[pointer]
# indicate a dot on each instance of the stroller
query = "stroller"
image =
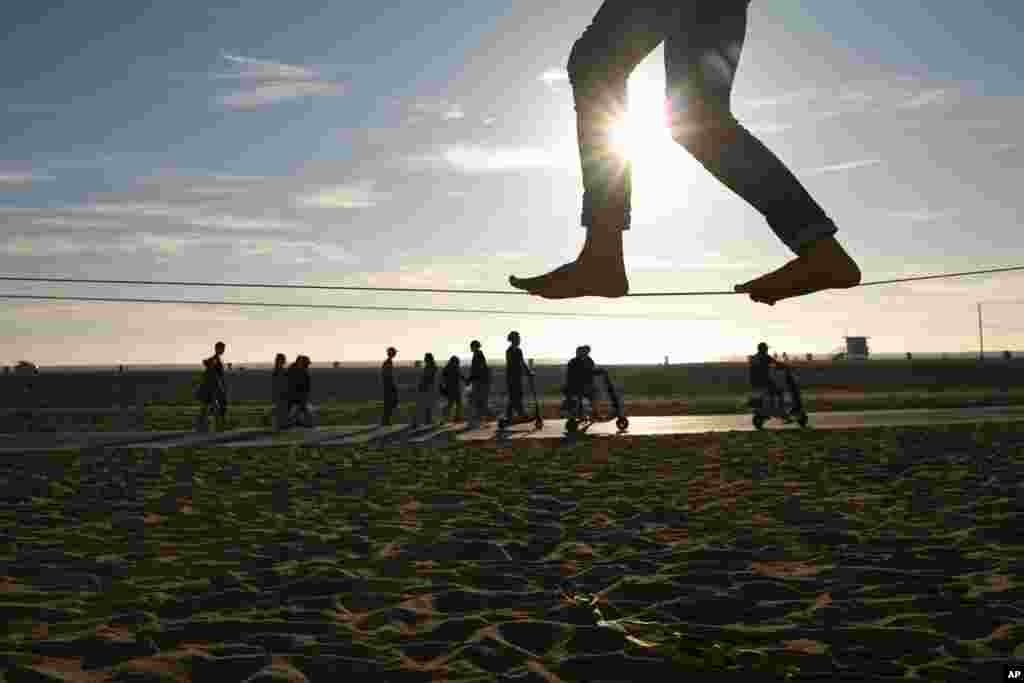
(580, 421)
(789, 411)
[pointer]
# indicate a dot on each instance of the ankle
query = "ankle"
(603, 243)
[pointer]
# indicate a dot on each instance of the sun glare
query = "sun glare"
(643, 134)
(663, 171)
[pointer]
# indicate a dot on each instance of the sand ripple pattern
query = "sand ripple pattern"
(868, 554)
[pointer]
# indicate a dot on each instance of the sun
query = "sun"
(663, 172)
(643, 134)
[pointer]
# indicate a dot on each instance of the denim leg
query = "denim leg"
(702, 51)
(620, 36)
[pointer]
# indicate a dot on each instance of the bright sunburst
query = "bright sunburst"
(663, 171)
(643, 134)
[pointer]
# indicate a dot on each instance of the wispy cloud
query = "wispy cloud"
(10, 181)
(298, 251)
(481, 159)
(924, 99)
(431, 109)
(360, 195)
(923, 215)
(845, 166)
(127, 215)
(260, 82)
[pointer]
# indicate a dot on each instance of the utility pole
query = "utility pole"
(981, 337)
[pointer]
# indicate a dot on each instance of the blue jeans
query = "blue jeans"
(703, 40)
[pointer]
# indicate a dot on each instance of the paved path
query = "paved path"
(346, 435)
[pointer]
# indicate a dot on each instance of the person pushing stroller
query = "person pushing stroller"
(761, 377)
(579, 382)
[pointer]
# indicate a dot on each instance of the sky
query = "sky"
(411, 144)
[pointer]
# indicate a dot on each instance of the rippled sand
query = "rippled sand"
(871, 552)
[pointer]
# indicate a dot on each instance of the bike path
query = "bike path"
(347, 435)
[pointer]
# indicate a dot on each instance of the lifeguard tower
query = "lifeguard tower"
(856, 348)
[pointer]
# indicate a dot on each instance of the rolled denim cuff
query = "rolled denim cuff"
(810, 234)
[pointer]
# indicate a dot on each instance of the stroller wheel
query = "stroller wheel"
(802, 420)
(758, 422)
(622, 423)
(571, 425)
(502, 423)
(538, 423)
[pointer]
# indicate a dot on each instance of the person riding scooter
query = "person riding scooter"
(761, 377)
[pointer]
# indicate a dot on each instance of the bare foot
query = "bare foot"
(824, 265)
(598, 271)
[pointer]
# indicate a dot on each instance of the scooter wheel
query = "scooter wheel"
(571, 425)
(538, 423)
(622, 423)
(758, 422)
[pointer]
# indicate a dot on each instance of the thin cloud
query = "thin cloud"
(777, 100)
(21, 180)
(127, 215)
(479, 159)
(432, 109)
(846, 166)
(923, 215)
(924, 99)
(261, 82)
(361, 195)
(298, 251)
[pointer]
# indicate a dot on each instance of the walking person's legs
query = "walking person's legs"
(473, 415)
(702, 52)
(203, 418)
(703, 43)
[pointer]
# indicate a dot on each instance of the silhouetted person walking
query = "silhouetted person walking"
(279, 392)
(388, 386)
(703, 40)
(213, 392)
(426, 393)
(479, 381)
(515, 369)
(451, 389)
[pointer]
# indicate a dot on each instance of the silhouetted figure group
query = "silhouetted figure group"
(291, 390)
(453, 384)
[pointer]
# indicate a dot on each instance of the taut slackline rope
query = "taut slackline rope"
(448, 291)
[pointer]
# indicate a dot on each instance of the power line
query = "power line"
(244, 285)
(327, 306)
